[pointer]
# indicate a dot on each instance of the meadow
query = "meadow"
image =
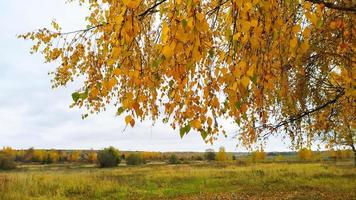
(197, 180)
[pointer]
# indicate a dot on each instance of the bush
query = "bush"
(7, 162)
(305, 154)
(210, 155)
(221, 156)
(134, 159)
(199, 158)
(173, 160)
(108, 157)
(259, 155)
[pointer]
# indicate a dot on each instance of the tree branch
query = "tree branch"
(300, 115)
(334, 6)
(151, 8)
(308, 112)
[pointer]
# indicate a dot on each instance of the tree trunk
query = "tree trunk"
(354, 150)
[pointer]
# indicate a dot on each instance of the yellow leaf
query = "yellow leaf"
(332, 25)
(200, 16)
(115, 53)
(210, 121)
(167, 51)
(112, 82)
(196, 124)
(250, 72)
(236, 36)
(132, 3)
(190, 22)
(293, 43)
(304, 47)
(165, 31)
(243, 65)
(296, 29)
(128, 119)
(245, 81)
(117, 72)
(246, 26)
(254, 23)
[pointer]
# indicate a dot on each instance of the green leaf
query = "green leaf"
(120, 111)
(254, 79)
(238, 121)
(183, 131)
(203, 134)
(244, 116)
(75, 96)
(320, 23)
(165, 120)
(85, 116)
(84, 95)
(184, 22)
(238, 105)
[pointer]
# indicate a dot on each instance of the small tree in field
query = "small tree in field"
(74, 156)
(259, 155)
(108, 157)
(134, 159)
(92, 157)
(221, 155)
(305, 154)
(210, 154)
(53, 156)
(7, 159)
(173, 159)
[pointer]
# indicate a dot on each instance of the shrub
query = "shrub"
(7, 162)
(75, 156)
(210, 154)
(108, 157)
(134, 159)
(173, 159)
(221, 156)
(259, 155)
(199, 158)
(92, 157)
(305, 154)
(279, 158)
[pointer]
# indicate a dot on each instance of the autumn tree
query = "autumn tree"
(92, 156)
(210, 154)
(305, 154)
(53, 156)
(29, 155)
(258, 155)
(74, 156)
(274, 67)
(221, 155)
(7, 158)
(108, 157)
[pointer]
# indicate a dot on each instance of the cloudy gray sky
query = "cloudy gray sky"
(34, 115)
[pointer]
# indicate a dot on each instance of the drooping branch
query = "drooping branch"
(142, 15)
(299, 115)
(151, 9)
(334, 6)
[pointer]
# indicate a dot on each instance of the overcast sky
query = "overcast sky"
(34, 115)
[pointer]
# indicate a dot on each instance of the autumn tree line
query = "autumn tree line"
(111, 157)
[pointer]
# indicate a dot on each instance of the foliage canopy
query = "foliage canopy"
(271, 66)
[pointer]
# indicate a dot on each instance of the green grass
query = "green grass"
(195, 181)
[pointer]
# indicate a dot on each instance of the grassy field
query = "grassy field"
(188, 181)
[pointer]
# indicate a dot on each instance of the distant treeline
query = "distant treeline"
(42, 156)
